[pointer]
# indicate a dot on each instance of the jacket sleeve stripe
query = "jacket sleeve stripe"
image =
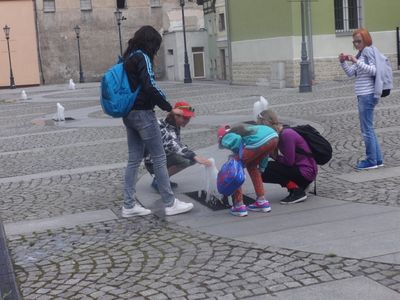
(151, 74)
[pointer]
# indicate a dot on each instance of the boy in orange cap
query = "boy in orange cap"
(179, 156)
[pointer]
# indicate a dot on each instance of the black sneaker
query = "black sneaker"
(295, 196)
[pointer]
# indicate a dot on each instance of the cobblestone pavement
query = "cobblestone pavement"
(49, 170)
(146, 258)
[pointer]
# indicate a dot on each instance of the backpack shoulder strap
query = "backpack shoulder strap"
(299, 150)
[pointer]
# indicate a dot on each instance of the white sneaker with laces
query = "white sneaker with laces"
(178, 207)
(137, 210)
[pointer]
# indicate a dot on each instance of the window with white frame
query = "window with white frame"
(49, 6)
(155, 3)
(221, 22)
(86, 4)
(347, 15)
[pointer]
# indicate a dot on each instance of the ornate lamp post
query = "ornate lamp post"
(119, 17)
(7, 33)
(305, 79)
(77, 32)
(187, 78)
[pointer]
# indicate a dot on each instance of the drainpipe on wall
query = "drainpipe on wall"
(310, 38)
(228, 37)
(38, 44)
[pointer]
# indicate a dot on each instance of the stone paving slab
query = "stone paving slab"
(346, 289)
(389, 258)
(64, 221)
(62, 172)
(370, 175)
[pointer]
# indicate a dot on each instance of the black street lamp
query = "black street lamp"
(305, 78)
(78, 31)
(119, 17)
(7, 33)
(187, 78)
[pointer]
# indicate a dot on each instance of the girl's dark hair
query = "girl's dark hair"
(146, 39)
(241, 130)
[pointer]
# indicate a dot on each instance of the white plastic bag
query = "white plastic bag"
(210, 181)
(259, 106)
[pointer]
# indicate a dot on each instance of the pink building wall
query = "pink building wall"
(19, 15)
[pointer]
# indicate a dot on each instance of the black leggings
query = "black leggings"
(282, 174)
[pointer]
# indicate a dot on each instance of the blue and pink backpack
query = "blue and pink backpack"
(231, 176)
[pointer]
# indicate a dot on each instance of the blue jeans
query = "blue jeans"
(143, 131)
(366, 105)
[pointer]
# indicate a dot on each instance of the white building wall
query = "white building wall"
(196, 36)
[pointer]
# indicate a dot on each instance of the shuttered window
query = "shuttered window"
(86, 4)
(49, 6)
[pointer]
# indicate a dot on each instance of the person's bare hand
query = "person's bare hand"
(342, 57)
(202, 161)
(352, 58)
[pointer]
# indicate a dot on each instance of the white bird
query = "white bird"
(59, 116)
(23, 95)
(259, 106)
(71, 85)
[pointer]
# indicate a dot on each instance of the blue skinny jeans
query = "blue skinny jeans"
(143, 131)
(366, 105)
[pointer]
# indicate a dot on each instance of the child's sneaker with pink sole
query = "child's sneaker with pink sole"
(240, 211)
(260, 205)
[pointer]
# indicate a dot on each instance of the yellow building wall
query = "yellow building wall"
(19, 15)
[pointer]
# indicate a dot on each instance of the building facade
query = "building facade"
(266, 36)
(216, 24)
(43, 37)
(21, 53)
(196, 42)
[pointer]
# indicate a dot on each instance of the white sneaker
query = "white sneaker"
(137, 210)
(178, 207)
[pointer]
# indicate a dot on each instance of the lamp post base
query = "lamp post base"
(305, 79)
(12, 83)
(187, 79)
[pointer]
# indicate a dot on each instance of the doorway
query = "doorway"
(198, 62)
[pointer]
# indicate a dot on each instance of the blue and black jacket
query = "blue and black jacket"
(140, 71)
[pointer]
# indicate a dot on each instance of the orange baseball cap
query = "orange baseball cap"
(186, 108)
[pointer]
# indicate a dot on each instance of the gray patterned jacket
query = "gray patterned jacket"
(171, 138)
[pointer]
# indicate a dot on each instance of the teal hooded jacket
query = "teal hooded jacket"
(260, 135)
